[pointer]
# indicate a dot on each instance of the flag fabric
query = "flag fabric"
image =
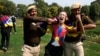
(6, 21)
(58, 35)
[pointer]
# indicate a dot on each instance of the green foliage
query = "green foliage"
(1, 8)
(95, 10)
(39, 12)
(21, 10)
(60, 9)
(91, 48)
(54, 4)
(42, 7)
(53, 10)
(68, 10)
(45, 10)
(93, 34)
(85, 9)
(8, 6)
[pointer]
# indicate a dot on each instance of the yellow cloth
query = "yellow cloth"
(56, 38)
(71, 34)
(49, 27)
(67, 28)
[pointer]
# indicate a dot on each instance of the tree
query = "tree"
(21, 10)
(39, 11)
(85, 9)
(53, 10)
(94, 10)
(8, 6)
(68, 10)
(54, 4)
(60, 9)
(1, 9)
(98, 1)
(42, 7)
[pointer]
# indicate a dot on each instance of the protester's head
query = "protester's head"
(62, 17)
(76, 8)
(32, 10)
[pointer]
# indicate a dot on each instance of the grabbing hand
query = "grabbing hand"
(50, 20)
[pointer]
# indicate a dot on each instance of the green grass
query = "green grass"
(16, 42)
(91, 48)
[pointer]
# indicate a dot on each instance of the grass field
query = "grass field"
(16, 42)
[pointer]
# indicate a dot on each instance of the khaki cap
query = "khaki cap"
(31, 7)
(75, 6)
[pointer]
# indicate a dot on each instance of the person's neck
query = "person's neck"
(60, 24)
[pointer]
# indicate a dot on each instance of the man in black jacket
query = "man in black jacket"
(34, 28)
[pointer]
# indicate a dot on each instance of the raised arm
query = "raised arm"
(39, 19)
(89, 24)
(80, 26)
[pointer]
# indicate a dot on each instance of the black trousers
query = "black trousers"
(5, 33)
(14, 27)
(51, 50)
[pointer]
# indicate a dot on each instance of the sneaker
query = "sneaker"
(5, 49)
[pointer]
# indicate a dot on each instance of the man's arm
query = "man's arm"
(39, 19)
(80, 26)
(89, 23)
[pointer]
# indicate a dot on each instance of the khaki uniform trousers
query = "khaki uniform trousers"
(30, 51)
(76, 47)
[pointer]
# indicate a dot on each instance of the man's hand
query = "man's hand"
(50, 20)
(80, 24)
(78, 17)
